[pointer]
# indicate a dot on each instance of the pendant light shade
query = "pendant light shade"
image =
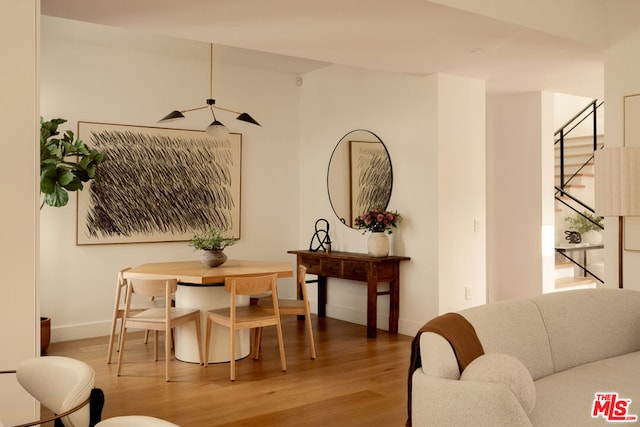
(172, 117)
(247, 118)
(215, 128)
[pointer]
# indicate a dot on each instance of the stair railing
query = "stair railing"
(568, 127)
(560, 193)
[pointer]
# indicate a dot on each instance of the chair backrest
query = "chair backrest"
(154, 287)
(59, 383)
(252, 285)
(121, 290)
(302, 282)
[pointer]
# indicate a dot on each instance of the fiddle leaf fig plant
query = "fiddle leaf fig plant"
(65, 163)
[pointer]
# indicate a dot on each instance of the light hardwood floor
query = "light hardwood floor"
(354, 381)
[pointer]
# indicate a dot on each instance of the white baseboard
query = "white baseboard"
(79, 331)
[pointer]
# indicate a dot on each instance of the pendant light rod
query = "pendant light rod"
(210, 102)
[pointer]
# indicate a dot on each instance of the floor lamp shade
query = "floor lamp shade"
(617, 181)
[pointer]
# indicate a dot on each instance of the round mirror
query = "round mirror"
(359, 178)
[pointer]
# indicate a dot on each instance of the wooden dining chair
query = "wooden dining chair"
(137, 306)
(246, 317)
(157, 319)
(296, 307)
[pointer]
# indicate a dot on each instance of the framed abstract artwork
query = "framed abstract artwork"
(370, 176)
(158, 184)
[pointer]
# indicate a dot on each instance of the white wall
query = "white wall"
(462, 255)
(622, 68)
(128, 78)
(413, 117)
(19, 325)
(520, 194)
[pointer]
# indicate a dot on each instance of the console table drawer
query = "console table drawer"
(354, 270)
(332, 267)
(312, 264)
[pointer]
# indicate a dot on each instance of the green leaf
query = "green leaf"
(58, 198)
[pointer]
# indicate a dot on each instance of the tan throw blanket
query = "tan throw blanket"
(463, 339)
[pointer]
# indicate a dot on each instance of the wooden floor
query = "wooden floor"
(354, 381)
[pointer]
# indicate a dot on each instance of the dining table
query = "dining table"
(202, 287)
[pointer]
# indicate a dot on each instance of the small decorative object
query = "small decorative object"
(378, 223)
(320, 238)
(588, 225)
(573, 236)
(212, 242)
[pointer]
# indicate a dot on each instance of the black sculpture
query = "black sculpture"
(321, 237)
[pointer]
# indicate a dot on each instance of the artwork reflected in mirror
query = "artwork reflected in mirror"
(360, 176)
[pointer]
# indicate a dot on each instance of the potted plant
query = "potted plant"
(588, 225)
(378, 223)
(65, 163)
(212, 243)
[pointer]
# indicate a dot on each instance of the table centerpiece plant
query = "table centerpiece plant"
(211, 242)
(379, 223)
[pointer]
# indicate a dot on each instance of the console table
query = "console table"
(359, 267)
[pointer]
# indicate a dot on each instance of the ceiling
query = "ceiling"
(415, 37)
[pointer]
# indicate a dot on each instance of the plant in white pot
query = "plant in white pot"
(588, 225)
(212, 243)
(65, 163)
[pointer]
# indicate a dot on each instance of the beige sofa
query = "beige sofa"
(545, 359)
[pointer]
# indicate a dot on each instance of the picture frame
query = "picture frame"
(369, 173)
(158, 184)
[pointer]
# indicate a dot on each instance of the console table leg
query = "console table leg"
(372, 307)
(322, 296)
(394, 305)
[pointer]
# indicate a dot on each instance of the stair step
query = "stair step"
(563, 264)
(566, 283)
(579, 175)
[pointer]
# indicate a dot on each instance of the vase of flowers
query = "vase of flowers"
(212, 243)
(379, 223)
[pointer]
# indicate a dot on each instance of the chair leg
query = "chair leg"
(255, 343)
(155, 346)
(123, 336)
(207, 342)
(307, 318)
(112, 339)
(146, 336)
(283, 360)
(232, 346)
(198, 337)
(167, 351)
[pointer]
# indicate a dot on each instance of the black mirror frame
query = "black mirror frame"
(340, 218)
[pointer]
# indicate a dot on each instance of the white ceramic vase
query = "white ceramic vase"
(592, 237)
(378, 244)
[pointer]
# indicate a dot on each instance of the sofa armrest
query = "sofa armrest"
(444, 402)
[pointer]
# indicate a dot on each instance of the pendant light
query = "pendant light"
(216, 128)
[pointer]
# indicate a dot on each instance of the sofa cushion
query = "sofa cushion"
(503, 369)
(515, 328)
(566, 398)
(588, 325)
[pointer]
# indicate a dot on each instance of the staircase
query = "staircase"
(578, 265)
